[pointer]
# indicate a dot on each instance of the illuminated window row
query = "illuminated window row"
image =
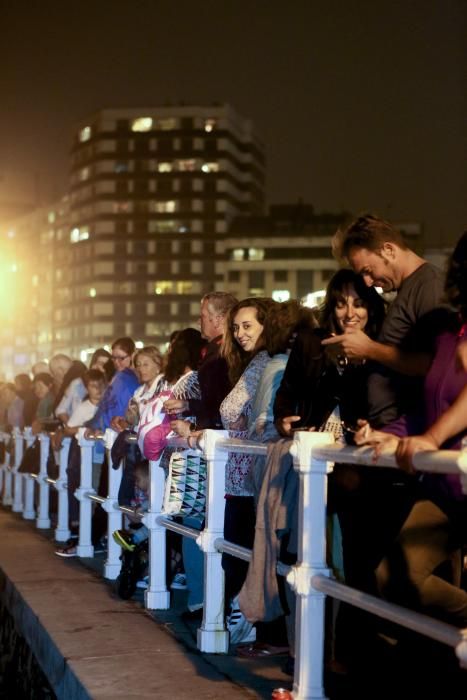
(239, 254)
(144, 124)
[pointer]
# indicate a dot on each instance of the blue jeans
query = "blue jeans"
(193, 561)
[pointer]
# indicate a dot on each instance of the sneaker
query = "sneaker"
(144, 583)
(69, 550)
(195, 615)
(241, 631)
(124, 539)
(179, 582)
(101, 546)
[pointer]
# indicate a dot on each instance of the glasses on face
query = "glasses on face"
(119, 358)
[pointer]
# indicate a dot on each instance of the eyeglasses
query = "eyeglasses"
(119, 358)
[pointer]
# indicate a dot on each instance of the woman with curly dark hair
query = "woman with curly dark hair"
(435, 529)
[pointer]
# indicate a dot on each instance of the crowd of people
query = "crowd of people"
(392, 375)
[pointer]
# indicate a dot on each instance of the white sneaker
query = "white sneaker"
(179, 582)
(144, 583)
(241, 631)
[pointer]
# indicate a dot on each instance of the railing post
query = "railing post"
(114, 517)
(7, 499)
(156, 596)
(2, 466)
(85, 547)
(43, 520)
(29, 512)
(310, 610)
(18, 477)
(212, 636)
(62, 531)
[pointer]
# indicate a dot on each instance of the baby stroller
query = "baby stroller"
(134, 565)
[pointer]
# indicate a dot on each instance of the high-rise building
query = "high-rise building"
(152, 194)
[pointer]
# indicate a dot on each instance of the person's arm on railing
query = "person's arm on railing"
(452, 422)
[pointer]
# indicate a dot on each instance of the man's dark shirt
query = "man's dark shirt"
(411, 324)
(214, 383)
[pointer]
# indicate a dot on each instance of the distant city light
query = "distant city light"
(142, 124)
(139, 344)
(314, 298)
(85, 134)
(281, 295)
(92, 292)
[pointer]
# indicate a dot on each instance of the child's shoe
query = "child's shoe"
(124, 539)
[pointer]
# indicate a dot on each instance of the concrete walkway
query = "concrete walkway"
(91, 644)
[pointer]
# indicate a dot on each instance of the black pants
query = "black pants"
(239, 528)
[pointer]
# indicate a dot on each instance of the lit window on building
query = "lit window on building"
(92, 292)
(35, 280)
(121, 167)
(51, 217)
(184, 287)
(122, 207)
(167, 124)
(168, 226)
(186, 164)
(84, 173)
(85, 134)
(281, 294)
(255, 253)
(167, 207)
(237, 254)
(79, 234)
(212, 167)
(164, 167)
(141, 124)
(210, 124)
(164, 287)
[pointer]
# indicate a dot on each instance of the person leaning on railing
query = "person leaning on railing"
(436, 528)
(321, 389)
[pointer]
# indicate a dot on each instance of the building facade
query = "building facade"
(152, 192)
(285, 255)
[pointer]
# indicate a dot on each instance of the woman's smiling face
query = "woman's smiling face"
(350, 311)
(246, 328)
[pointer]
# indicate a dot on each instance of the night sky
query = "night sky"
(361, 104)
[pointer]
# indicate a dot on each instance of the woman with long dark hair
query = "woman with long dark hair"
(246, 358)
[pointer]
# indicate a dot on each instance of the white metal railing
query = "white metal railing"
(314, 455)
